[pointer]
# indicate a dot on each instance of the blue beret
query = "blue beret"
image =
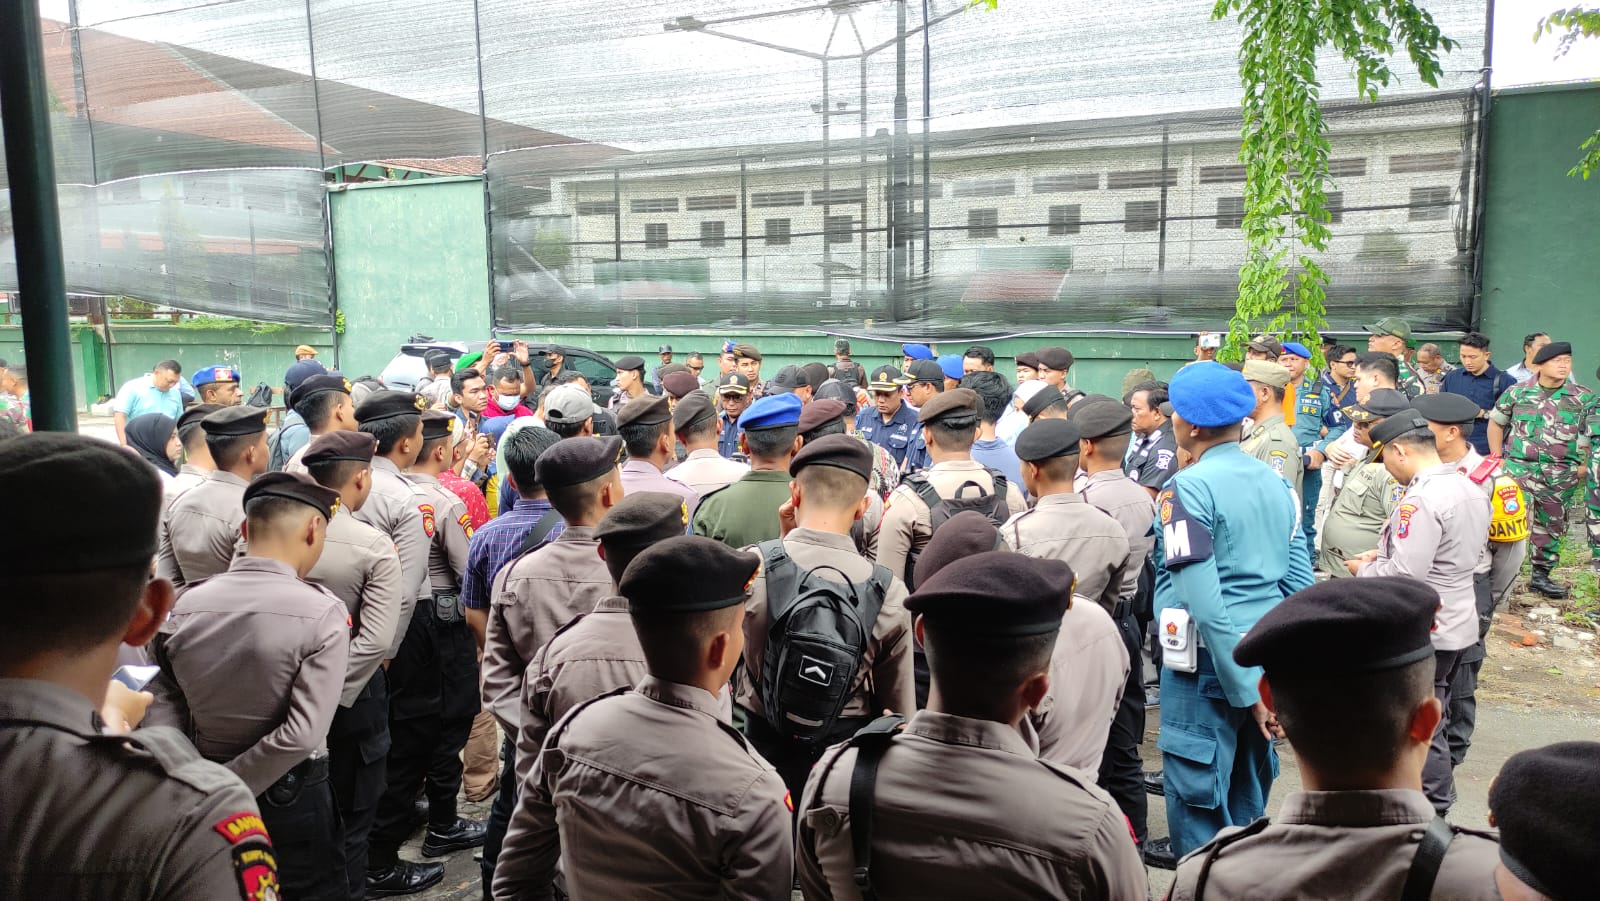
(951, 365)
(210, 375)
(774, 411)
(1211, 395)
(916, 351)
(1296, 348)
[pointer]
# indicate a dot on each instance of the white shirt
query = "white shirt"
(705, 470)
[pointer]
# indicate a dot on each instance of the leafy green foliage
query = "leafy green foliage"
(1571, 24)
(1284, 146)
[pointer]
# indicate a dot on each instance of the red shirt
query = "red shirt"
(477, 507)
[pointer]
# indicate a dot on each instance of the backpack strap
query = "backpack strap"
(1215, 846)
(783, 578)
(870, 744)
(918, 482)
(1001, 509)
(1429, 858)
(548, 520)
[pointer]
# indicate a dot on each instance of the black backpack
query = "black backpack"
(817, 633)
(991, 504)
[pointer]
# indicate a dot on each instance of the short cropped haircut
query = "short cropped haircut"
(522, 456)
(954, 433)
(97, 604)
(641, 439)
(172, 366)
(1418, 440)
(1351, 722)
(192, 435)
(697, 431)
(831, 488)
(982, 353)
(769, 444)
(336, 473)
(994, 393)
(428, 444)
(228, 450)
(836, 427)
(265, 514)
(460, 378)
(1475, 339)
(573, 501)
(1385, 365)
(565, 429)
(1060, 470)
(507, 372)
(973, 673)
(1155, 394)
(567, 377)
(390, 431)
(317, 409)
(672, 642)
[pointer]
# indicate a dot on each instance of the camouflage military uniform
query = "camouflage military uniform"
(1591, 497)
(1411, 384)
(1545, 429)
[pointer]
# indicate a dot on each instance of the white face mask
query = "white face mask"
(507, 402)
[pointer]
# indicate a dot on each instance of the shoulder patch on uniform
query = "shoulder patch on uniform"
(1184, 539)
(240, 826)
(1403, 514)
(788, 801)
(1164, 459)
(257, 869)
(1277, 459)
(465, 521)
(427, 518)
(1164, 505)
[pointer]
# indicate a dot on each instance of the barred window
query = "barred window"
(985, 187)
(838, 195)
(1141, 216)
(1142, 178)
(1060, 184)
(711, 202)
(1216, 175)
(713, 234)
(838, 229)
(655, 235)
(983, 223)
(778, 198)
(777, 231)
(1230, 212)
(1429, 204)
(654, 205)
(597, 208)
(1066, 219)
(1447, 161)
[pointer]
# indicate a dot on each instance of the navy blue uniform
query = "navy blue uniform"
(728, 440)
(896, 436)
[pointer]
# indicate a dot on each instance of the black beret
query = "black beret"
(573, 461)
(925, 371)
(630, 362)
(666, 369)
(833, 389)
(679, 384)
(1044, 397)
(787, 379)
(318, 384)
(962, 535)
(842, 451)
(437, 424)
(1392, 427)
(1551, 351)
(819, 413)
(1344, 626)
(1054, 358)
(193, 415)
(815, 374)
(295, 487)
(692, 408)
(745, 352)
(643, 518)
(1101, 417)
(646, 409)
(40, 471)
(996, 593)
(1029, 359)
(1047, 438)
(1544, 803)
(1450, 409)
(335, 446)
(957, 403)
(233, 421)
(386, 404)
(1380, 403)
(688, 574)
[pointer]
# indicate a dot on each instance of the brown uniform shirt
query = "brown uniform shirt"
(648, 795)
(963, 809)
(907, 523)
(886, 679)
(200, 530)
(1131, 505)
(188, 477)
(1088, 672)
(1351, 845)
(296, 462)
(92, 817)
(393, 508)
(532, 597)
(449, 536)
(252, 666)
(1068, 528)
(361, 567)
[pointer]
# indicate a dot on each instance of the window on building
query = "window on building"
(984, 223)
(839, 195)
(1448, 161)
(1335, 207)
(1429, 204)
(1353, 166)
(597, 208)
(1060, 184)
(985, 187)
(1141, 216)
(654, 205)
(838, 229)
(1230, 212)
(711, 202)
(1066, 219)
(1141, 178)
(1219, 175)
(712, 234)
(778, 198)
(655, 235)
(777, 232)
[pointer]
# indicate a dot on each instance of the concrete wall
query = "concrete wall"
(409, 258)
(1541, 269)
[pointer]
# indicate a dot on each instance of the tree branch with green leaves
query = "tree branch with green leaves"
(1571, 24)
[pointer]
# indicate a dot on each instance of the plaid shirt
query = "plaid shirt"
(494, 545)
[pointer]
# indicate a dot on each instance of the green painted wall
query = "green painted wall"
(11, 350)
(1541, 267)
(409, 258)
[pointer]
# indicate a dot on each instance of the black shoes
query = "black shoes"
(1543, 584)
(1158, 853)
(419, 816)
(1155, 782)
(458, 836)
(404, 878)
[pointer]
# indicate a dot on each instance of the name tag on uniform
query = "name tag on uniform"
(1179, 647)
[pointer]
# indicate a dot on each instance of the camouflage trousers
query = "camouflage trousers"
(1550, 490)
(1591, 500)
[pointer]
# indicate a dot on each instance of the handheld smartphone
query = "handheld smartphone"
(1212, 340)
(135, 677)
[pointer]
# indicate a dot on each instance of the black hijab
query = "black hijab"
(149, 434)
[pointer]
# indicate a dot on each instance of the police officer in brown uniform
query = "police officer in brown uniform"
(200, 529)
(949, 425)
(648, 794)
(196, 458)
(959, 778)
(433, 680)
(252, 665)
(1062, 525)
(360, 565)
(828, 494)
(1349, 671)
(89, 815)
(323, 401)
